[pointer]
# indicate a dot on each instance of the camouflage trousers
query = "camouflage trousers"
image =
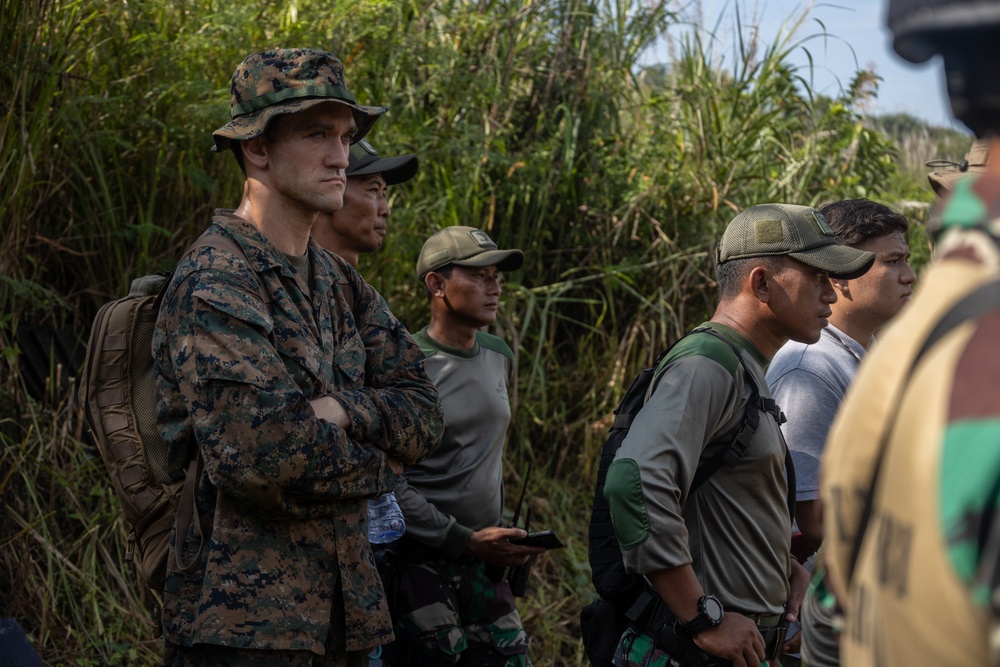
(206, 655)
(211, 655)
(449, 613)
(638, 649)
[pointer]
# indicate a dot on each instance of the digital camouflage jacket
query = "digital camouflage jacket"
(282, 498)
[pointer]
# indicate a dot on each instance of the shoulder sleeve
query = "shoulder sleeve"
(495, 343)
(690, 402)
(703, 345)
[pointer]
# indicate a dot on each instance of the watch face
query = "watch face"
(712, 608)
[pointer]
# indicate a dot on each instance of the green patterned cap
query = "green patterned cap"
(800, 232)
(282, 81)
(465, 246)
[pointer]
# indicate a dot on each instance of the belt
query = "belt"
(765, 620)
(772, 628)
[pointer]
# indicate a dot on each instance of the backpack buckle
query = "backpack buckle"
(771, 407)
(130, 546)
(739, 445)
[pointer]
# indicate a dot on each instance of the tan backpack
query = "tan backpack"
(119, 399)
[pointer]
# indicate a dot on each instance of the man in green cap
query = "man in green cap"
(295, 413)
(360, 226)
(452, 608)
(718, 558)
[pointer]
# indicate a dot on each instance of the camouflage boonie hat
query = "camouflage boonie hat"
(800, 232)
(282, 81)
(365, 160)
(465, 246)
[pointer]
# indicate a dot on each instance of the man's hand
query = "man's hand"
(793, 645)
(798, 580)
(736, 639)
(394, 464)
(329, 409)
(492, 545)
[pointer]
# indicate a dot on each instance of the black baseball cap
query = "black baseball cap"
(365, 160)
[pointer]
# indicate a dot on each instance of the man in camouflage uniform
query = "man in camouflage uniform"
(911, 474)
(285, 375)
(452, 609)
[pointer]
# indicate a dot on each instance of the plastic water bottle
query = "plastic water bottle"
(385, 519)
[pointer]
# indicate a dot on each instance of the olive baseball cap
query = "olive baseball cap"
(364, 160)
(465, 246)
(801, 232)
(282, 81)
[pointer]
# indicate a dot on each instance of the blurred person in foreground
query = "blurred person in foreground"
(910, 482)
(296, 413)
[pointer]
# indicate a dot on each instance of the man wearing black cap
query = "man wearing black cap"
(911, 474)
(718, 557)
(360, 226)
(449, 609)
(295, 414)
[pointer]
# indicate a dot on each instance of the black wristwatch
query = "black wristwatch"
(710, 614)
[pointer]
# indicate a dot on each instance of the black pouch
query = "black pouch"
(650, 617)
(389, 563)
(602, 626)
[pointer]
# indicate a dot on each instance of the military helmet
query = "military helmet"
(964, 33)
(919, 27)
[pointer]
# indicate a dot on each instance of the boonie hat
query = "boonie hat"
(948, 173)
(364, 160)
(800, 232)
(283, 81)
(465, 246)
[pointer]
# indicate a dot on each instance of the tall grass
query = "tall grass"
(64, 576)
(533, 119)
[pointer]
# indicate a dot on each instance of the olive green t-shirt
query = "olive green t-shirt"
(458, 489)
(735, 529)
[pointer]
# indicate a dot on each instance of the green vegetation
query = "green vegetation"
(532, 119)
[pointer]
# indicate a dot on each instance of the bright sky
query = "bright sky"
(857, 25)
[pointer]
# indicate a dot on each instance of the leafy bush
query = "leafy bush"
(533, 120)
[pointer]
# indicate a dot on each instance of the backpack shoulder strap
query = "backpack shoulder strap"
(751, 422)
(751, 418)
(982, 300)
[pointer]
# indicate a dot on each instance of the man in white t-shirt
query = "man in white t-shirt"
(809, 381)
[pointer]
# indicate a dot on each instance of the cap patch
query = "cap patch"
(769, 231)
(367, 146)
(821, 226)
(482, 239)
